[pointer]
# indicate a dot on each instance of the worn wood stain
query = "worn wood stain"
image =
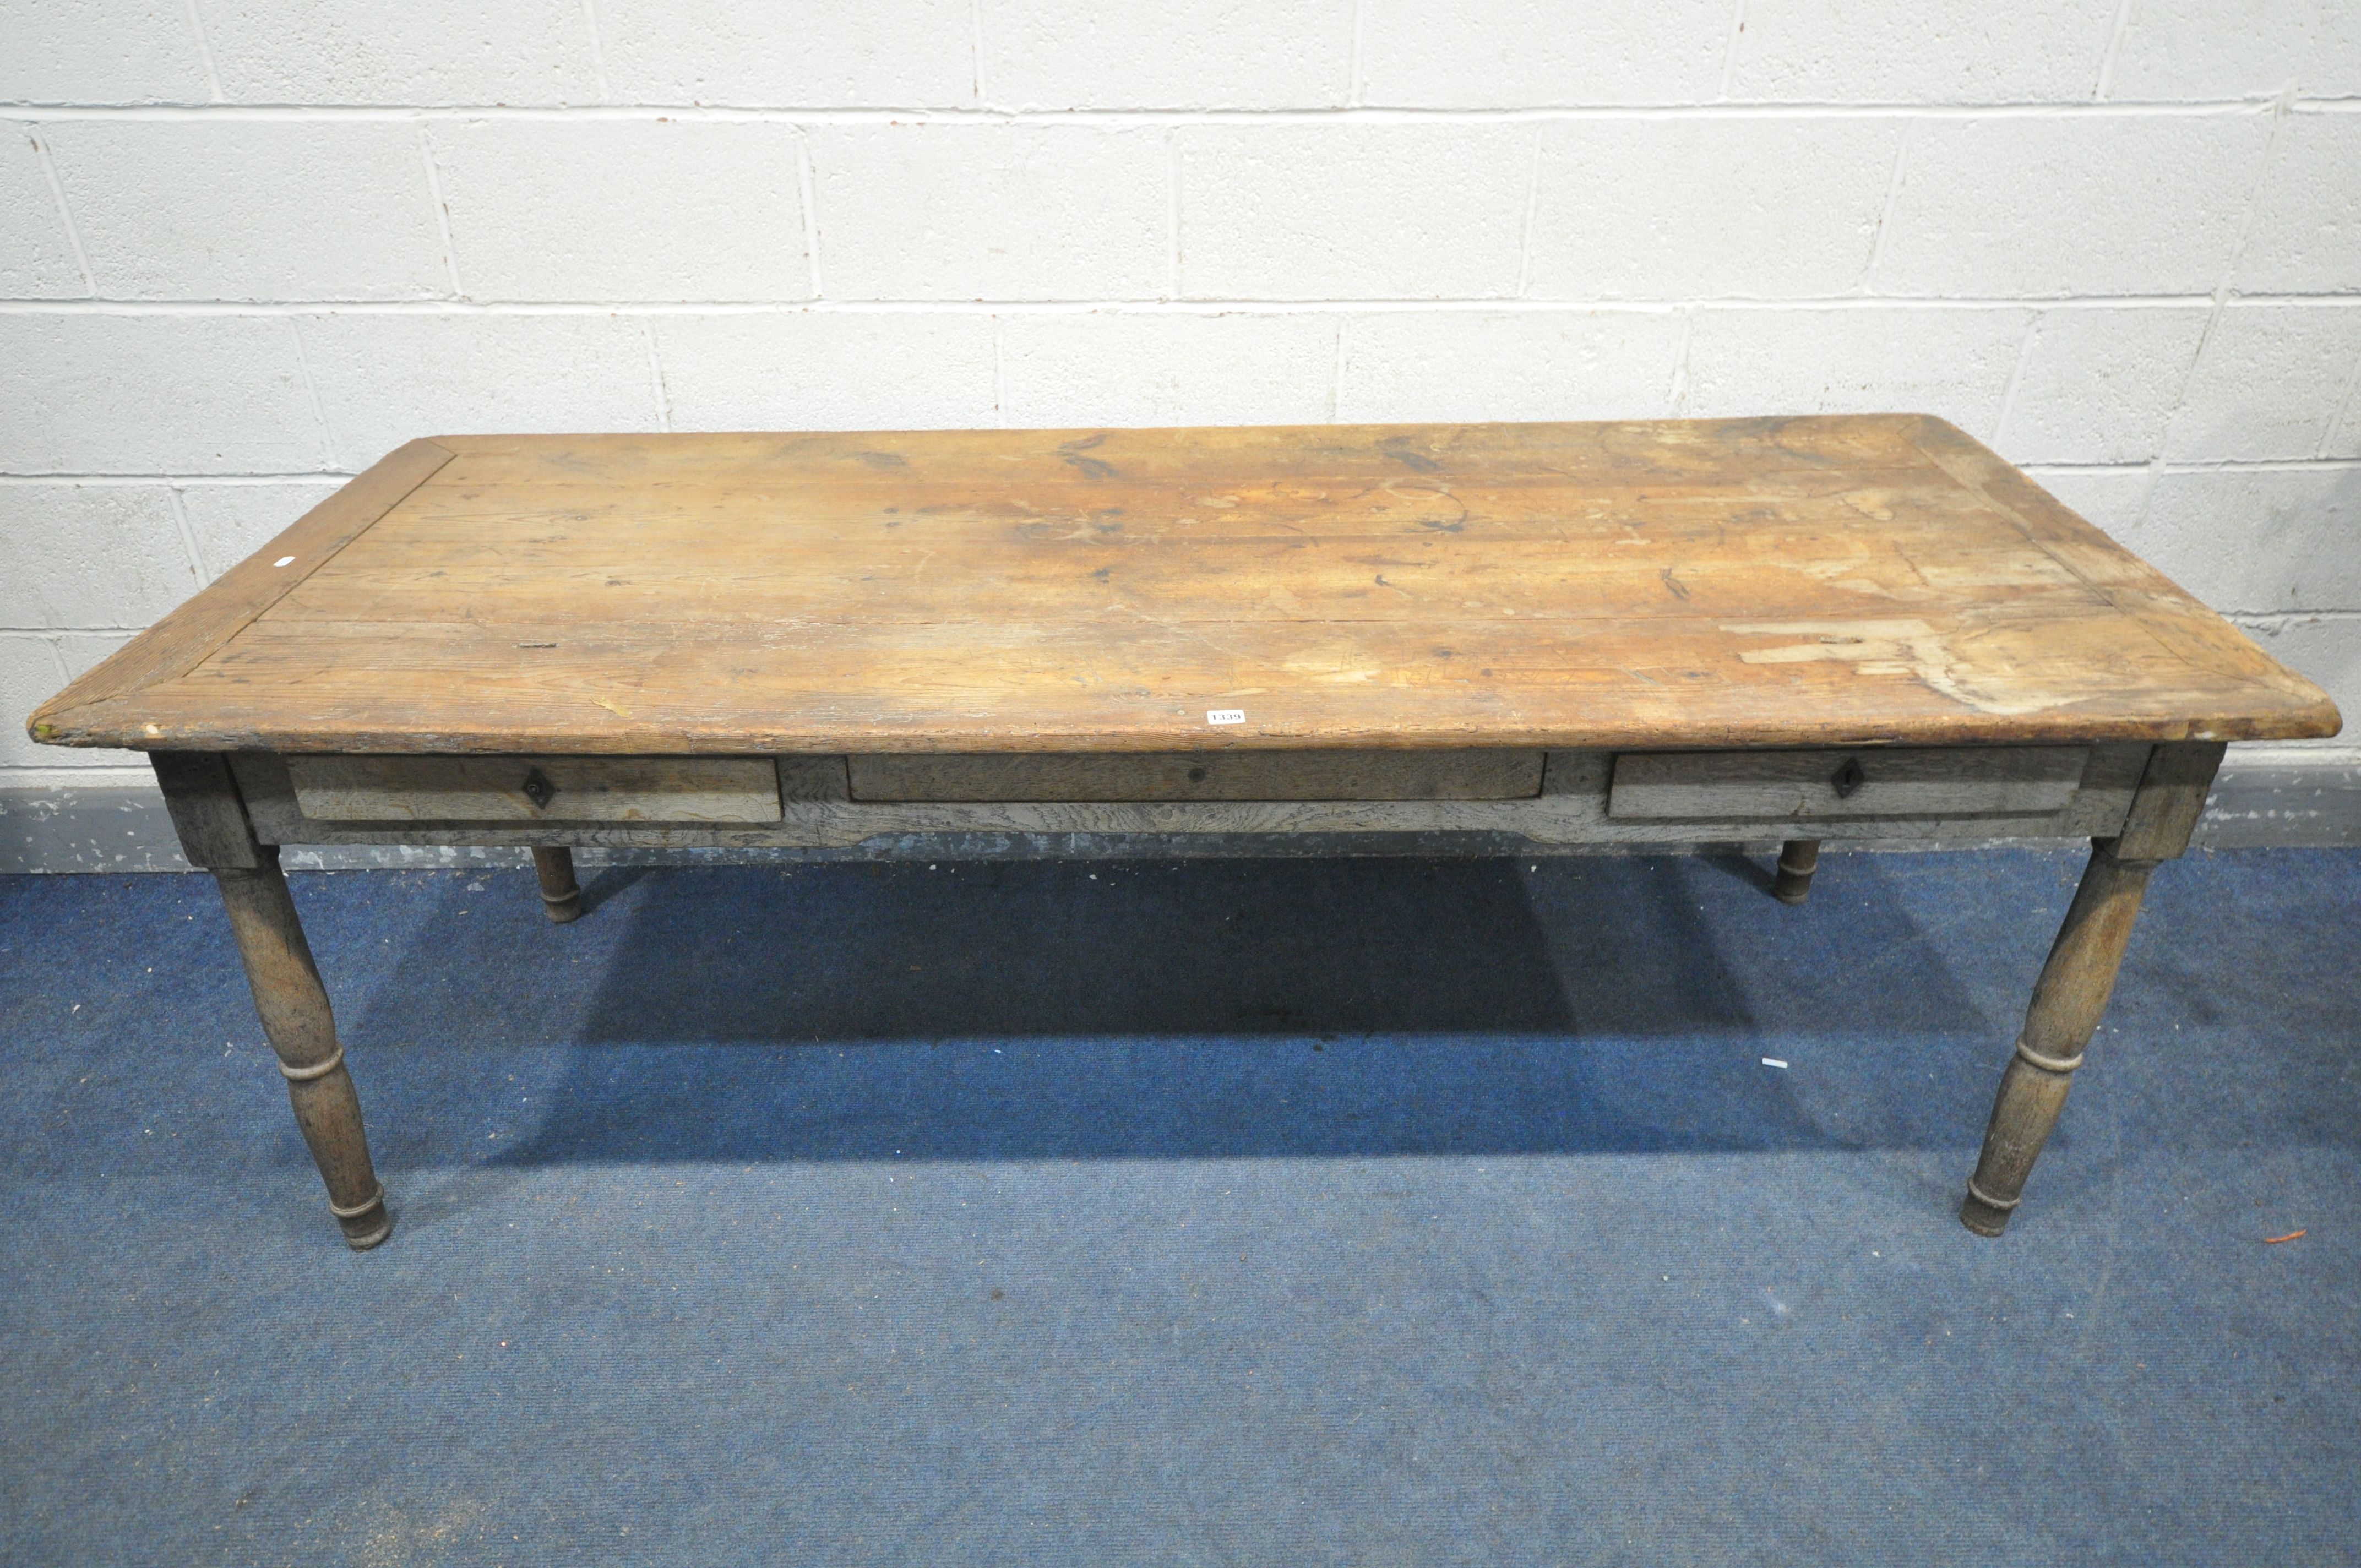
(1778, 582)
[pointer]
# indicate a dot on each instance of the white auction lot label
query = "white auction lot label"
(1225, 715)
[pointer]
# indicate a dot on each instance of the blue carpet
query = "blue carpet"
(1422, 1213)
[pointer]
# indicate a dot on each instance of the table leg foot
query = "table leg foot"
(561, 895)
(1798, 859)
(371, 1225)
(1981, 1215)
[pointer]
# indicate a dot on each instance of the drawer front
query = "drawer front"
(536, 789)
(1202, 775)
(1740, 787)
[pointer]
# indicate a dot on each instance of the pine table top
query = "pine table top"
(1775, 582)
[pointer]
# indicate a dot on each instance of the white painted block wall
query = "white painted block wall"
(245, 248)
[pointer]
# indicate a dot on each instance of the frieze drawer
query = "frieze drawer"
(1488, 774)
(1837, 785)
(536, 789)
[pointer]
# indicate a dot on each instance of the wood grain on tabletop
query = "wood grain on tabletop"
(1836, 579)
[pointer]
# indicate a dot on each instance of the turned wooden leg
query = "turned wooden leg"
(2080, 976)
(2067, 1001)
(216, 834)
(295, 1015)
(1798, 859)
(561, 895)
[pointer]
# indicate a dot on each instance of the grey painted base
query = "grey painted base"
(2260, 807)
(122, 829)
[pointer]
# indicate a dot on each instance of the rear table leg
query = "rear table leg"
(561, 895)
(1798, 859)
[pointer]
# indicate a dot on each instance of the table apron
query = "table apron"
(1573, 808)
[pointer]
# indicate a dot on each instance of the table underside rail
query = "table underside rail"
(1577, 805)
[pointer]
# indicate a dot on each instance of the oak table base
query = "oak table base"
(2068, 998)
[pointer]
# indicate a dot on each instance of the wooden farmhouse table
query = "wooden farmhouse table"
(1518, 636)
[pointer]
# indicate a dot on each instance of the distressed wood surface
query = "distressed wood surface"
(1202, 775)
(1956, 781)
(202, 798)
(1780, 582)
(536, 789)
(199, 629)
(2171, 797)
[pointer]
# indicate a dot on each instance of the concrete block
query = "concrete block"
(421, 51)
(231, 521)
(916, 54)
(1352, 211)
(1863, 359)
(2306, 234)
(2070, 204)
(1416, 366)
(1722, 208)
(1183, 54)
(90, 556)
(28, 677)
(2344, 435)
(2261, 540)
(385, 379)
(991, 212)
(2098, 385)
(2203, 48)
(2113, 498)
(828, 370)
(251, 210)
(2271, 382)
(1104, 368)
(1827, 51)
(37, 260)
(81, 652)
(109, 394)
(102, 52)
(1511, 54)
(624, 210)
